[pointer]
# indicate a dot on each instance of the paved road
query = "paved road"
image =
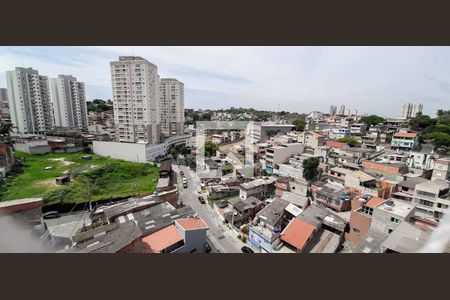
(221, 238)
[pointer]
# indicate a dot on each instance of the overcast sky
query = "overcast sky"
(373, 80)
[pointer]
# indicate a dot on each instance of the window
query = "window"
(395, 220)
(440, 205)
(426, 203)
(426, 194)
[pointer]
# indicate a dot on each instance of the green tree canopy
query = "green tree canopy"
(440, 139)
(351, 141)
(421, 122)
(299, 124)
(372, 120)
(310, 166)
(443, 117)
(210, 148)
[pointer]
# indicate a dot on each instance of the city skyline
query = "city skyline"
(296, 79)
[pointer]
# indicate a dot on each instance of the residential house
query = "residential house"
(335, 146)
(264, 231)
(432, 199)
(409, 238)
(315, 230)
(394, 171)
(242, 211)
(311, 139)
(374, 216)
(362, 182)
(280, 154)
(405, 141)
(260, 188)
(441, 170)
(339, 133)
(184, 236)
(331, 195)
(338, 174)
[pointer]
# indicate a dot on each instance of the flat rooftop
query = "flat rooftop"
(341, 170)
(257, 182)
(399, 208)
(407, 238)
(19, 202)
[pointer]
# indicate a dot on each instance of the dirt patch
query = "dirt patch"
(47, 183)
(62, 160)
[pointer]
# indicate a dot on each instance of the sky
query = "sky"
(373, 80)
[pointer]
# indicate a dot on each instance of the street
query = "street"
(220, 237)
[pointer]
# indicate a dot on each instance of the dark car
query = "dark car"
(207, 248)
(51, 215)
(202, 201)
(246, 249)
(181, 173)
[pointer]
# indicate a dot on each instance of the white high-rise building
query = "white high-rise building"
(333, 110)
(172, 107)
(411, 110)
(4, 104)
(69, 102)
(342, 110)
(135, 88)
(29, 101)
(417, 109)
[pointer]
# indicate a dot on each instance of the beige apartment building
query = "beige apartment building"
(136, 98)
(172, 107)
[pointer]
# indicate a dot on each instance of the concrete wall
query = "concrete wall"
(44, 149)
(194, 240)
(381, 219)
(126, 151)
(288, 170)
(359, 225)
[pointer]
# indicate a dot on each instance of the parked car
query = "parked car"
(246, 249)
(181, 173)
(201, 199)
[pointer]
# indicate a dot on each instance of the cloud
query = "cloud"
(375, 80)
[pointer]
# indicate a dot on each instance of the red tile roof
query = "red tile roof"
(163, 238)
(374, 202)
(335, 144)
(192, 223)
(382, 167)
(297, 233)
(405, 134)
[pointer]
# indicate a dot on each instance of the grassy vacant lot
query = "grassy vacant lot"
(105, 178)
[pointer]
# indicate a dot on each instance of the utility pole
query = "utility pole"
(88, 192)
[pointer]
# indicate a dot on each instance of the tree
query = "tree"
(439, 139)
(372, 120)
(299, 124)
(351, 141)
(421, 122)
(310, 166)
(6, 127)
(443, 117)
(210, 148)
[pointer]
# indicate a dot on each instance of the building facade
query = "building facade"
(172, 107)
(69, 102)
(411, 110)
(29, 101)
(4, 105)
(136, 93)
